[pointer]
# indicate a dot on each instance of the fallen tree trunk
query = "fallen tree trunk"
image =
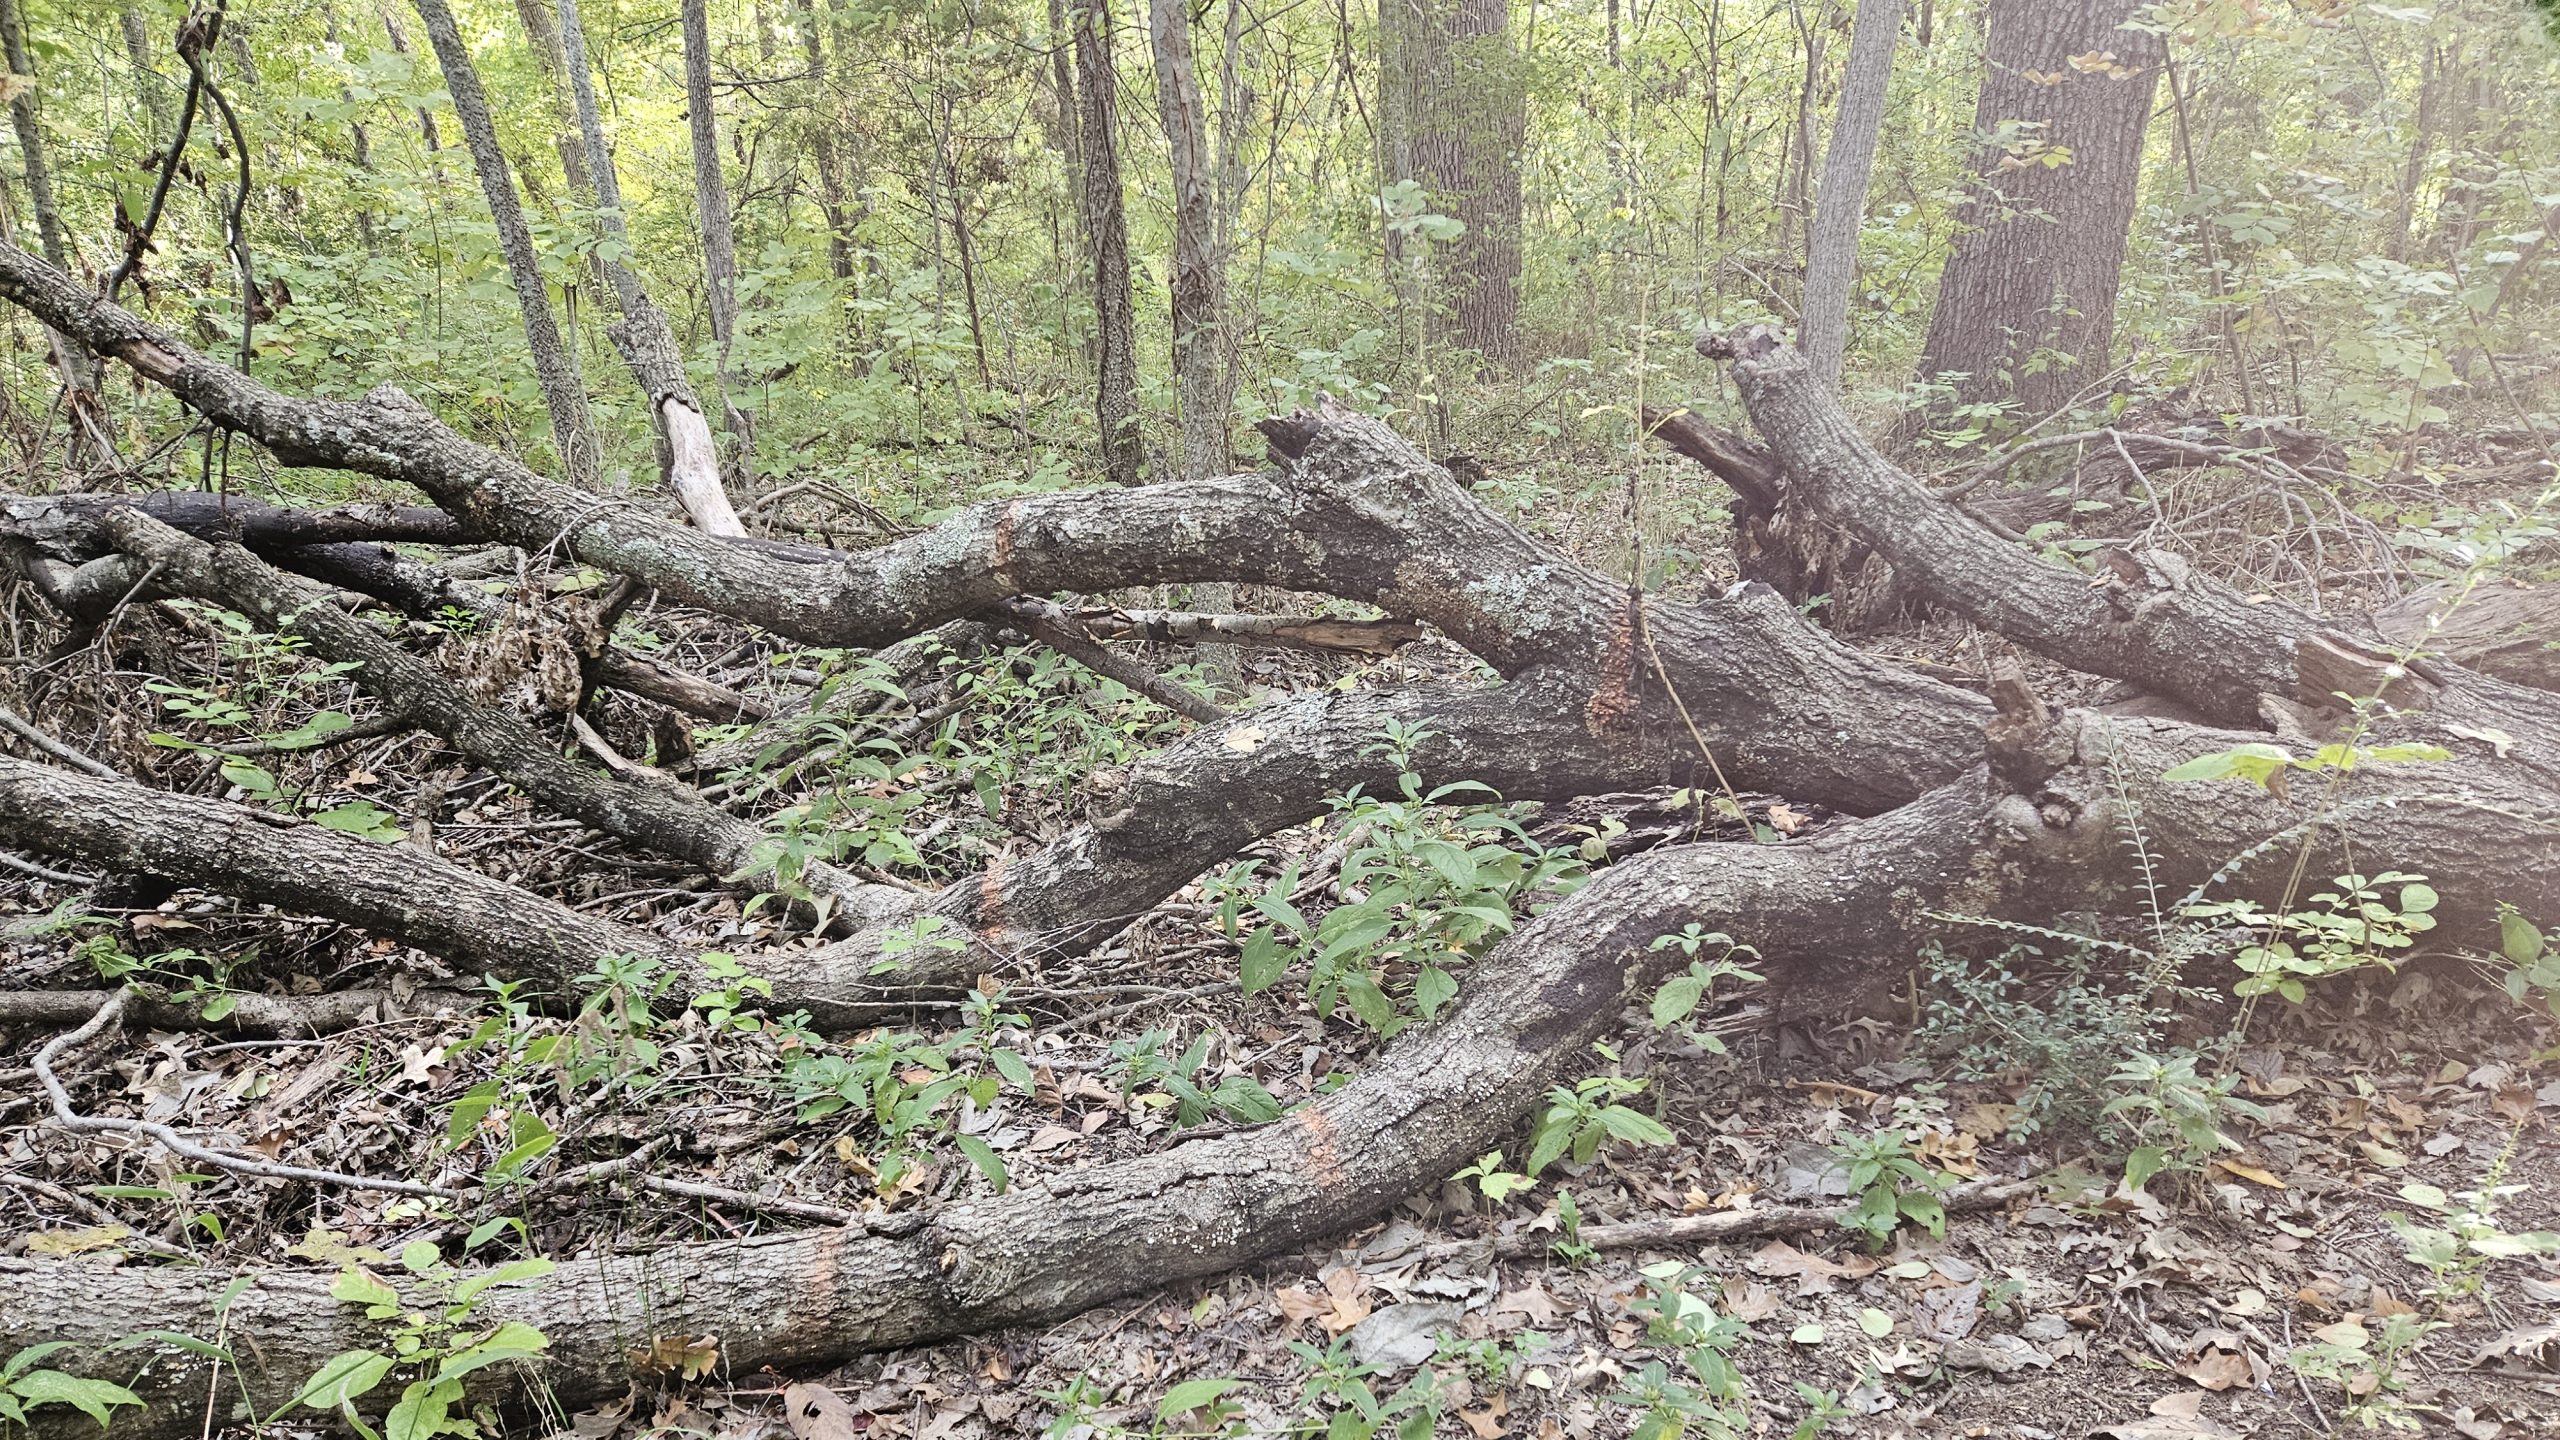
(1855, 900)
(653, 813)
(2149, 619)
(1973, 815)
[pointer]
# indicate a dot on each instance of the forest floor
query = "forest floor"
(2054, 1316)
(2074, 1310)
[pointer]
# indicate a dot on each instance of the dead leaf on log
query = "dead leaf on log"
(677, 1356)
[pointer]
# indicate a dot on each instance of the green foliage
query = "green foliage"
(2056, 1030)
(2369, 1368)
(430, 1335)
(1496, 1183)
(1699, 1391)
(2174, 1114)
(2532, 960)
(1581, 1117)
(24, 1386)
(1422, 892)
(1893, 1185)
(1681, 996)
(2354, 927)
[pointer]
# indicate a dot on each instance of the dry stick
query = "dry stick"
(1053, 627)
(94, 1213)
(1724, 1225)
(723, 1195)
(69, 1118)
(12, 720)
(41, 872)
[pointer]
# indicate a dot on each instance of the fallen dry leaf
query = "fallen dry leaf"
(675, 1355)
(1486, 1424)
(2217, 1370)
(1747, 1302)
(2251, 1173)
(1813, 1274)
(2525, 1342)
(1531, 1301)
(815, 1412)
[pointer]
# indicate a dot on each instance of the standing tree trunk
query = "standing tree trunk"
(547, 53)
(1453, 112)
(2028, 300)
(1115, 404)
(646, 340)
(146, 76)
(1199, 374)
(79, 371)
(1831, 254)
(554, 363)
(711, 197)
(822, 148)
(1203, 380)
(427, 132)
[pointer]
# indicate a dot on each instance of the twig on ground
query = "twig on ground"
(17, 723)
(1723, 1225)
(69, 1117)
(745, 1200)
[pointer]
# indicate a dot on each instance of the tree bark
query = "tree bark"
(78, 370)
(550, 56)
(822, 147)
(555, 364)
(647, 342)
(1453, 117)
(1831, 254)
(2026, 306)
(719, 246)
(1200, 373)
(1115, 403)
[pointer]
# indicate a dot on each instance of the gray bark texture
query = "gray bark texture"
(643, 335)
(2026, 307)
(711, 199)
(1106, 228)
(564, 392)
(1453, 115)
(1840, 206)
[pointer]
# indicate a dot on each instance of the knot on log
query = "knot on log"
(2025, 748)
(1752, 342)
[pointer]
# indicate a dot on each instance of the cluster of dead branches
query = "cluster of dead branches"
(2001, 810)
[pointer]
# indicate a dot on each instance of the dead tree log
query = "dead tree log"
(2009, 815)
(656, 815)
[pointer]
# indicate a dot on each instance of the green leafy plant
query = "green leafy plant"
(1894, 1184)
(1422, 893)
(1681, 996)
(1706, 1394)
(25, 1386)
(1582, 1117)
(432, 1339)
(2369, 1368)
(2175, 1114)
(2352, 927)
(1496, 1183)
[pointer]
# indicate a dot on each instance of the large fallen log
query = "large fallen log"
(1856, 900)
(2010, 815)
